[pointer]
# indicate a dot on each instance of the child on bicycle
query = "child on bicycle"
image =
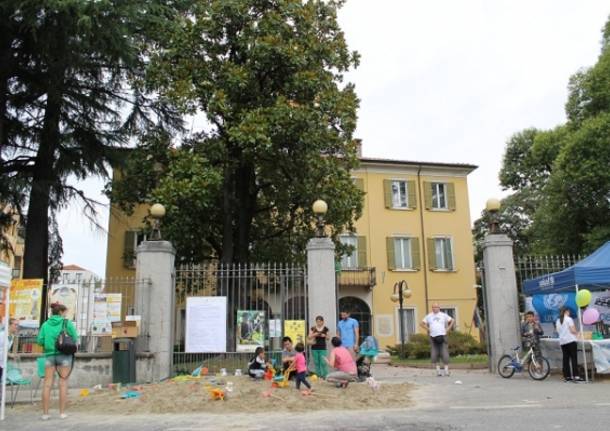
(531, 332)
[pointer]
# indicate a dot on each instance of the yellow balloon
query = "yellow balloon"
(583, 297)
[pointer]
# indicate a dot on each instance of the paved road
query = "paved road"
(478, 402)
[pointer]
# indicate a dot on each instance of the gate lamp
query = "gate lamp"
(157, 212)
(319, 208)
(493, 207)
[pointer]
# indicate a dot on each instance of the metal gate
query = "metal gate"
(279, 291)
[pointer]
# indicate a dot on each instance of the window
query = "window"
(402, 253)
(65, 278)
(78, 277)
(350, 261)
(443, 254)
(408, 323)
(439, 195)
(449, 311)
(132, 240)
(399, 194)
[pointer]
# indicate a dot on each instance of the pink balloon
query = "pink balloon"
(590, 316)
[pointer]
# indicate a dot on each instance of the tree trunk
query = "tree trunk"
(246, 198)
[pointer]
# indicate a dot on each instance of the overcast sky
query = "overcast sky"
(440, 81)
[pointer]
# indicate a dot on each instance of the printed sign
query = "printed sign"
(250, 330)
(275, 328)
(295, 329)
(66, 295)
(106, 309)
(206, 324)
(25, 303)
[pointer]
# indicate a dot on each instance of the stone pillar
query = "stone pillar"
(155, 300)
(322, 296)
(501, 297)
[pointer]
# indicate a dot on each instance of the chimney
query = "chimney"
(358, 143)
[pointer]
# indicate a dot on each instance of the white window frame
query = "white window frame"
(397, 197)
(444, 268)
(402, 238)
(350, 261)
(455, 312)
(436, 200)
(397, 322)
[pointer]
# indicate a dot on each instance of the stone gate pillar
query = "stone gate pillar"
(155, 299)
(322, 295)
(501, 297)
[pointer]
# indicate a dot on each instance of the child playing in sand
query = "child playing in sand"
(257, 365)
(301, 366)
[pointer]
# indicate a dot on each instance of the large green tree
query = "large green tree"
(268, 75)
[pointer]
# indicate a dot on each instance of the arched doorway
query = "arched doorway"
(360, 311)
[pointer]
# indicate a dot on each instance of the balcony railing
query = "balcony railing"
(357, 277)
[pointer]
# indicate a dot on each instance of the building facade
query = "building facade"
(415, 227)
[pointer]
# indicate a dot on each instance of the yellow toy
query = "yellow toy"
(283, 380)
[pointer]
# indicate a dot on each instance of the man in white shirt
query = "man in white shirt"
(437, 324)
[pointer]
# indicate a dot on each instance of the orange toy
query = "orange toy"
(217, 394)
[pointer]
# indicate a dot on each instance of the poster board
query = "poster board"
(206, 324)
(26, 300)
(250, 330)
(66, 295)
(275, 328)
(106, 309)
(295, 329)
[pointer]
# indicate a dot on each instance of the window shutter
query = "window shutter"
(428, 195)
(449, 254)
(389, 245)
(359, 183)
(415, 254)
(451, 196)
(412, 193)
(431, 253)
(128, 248)
(387, 193)
(362, 252)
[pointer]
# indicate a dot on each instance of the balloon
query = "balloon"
(583, 297)
(590, 316)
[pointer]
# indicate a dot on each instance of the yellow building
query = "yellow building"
(415, 227)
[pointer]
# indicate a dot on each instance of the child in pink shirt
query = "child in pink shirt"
(301, 366)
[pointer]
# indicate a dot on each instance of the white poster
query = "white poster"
(206, 324)
(275, 328)
(106, 309)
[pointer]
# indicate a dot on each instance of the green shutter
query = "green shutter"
(431, 253)
(451, 196)
(415, 254)
(362, 252)
(387, 193)
(449, 254)
(428, 195)
(412, 194)
(128, 248)
(359, 183)
(389, 245)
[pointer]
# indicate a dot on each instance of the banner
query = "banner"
(601, 302)
(106, 309)
(26, 299)
(206, 324)
(601, 356)
(547, 306)
(295, 329)
(250, 330)
(66, 295)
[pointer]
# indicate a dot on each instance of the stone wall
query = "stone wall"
(90, 369)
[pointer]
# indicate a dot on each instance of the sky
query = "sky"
(439, 81)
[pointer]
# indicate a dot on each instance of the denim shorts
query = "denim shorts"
(58, 360)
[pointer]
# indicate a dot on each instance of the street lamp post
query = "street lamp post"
(400, 293)
(319, 209)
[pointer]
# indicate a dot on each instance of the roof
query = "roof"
(72, 268)
(372, 160)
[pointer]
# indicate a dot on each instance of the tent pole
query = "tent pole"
(5, 354)
(582, 340)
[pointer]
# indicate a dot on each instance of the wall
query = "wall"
(90, 369)
(450, 289)
(118, 224)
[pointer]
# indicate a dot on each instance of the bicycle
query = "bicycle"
(538, 366)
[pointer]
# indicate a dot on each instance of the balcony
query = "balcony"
(356, 277)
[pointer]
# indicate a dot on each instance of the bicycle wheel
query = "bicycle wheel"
(505, 367)
(539, 368)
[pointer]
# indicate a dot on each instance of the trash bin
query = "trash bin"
(123, 360)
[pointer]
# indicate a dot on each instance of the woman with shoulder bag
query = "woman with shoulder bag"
(58, 338)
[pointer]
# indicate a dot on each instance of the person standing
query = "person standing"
(317, 338)
(567, 340)
(13, 328)
(348, 331)
(437, 324)
(55, 360)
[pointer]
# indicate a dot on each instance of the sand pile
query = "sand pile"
(247, 395)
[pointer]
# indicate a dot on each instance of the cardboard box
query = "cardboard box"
(124, 329)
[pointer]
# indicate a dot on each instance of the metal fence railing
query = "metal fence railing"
(528, 267)
(276, 291)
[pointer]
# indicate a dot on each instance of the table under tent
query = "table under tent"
(548, 293)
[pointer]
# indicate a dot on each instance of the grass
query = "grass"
(460, 359)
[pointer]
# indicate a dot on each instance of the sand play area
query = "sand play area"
(242, 394)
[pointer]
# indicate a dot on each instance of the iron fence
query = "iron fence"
(528, 267)
(277, 290)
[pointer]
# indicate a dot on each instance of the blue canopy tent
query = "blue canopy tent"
(592, 272)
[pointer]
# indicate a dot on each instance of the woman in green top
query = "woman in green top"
(47, 336)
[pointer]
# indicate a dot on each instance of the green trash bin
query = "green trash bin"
(123, 360)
